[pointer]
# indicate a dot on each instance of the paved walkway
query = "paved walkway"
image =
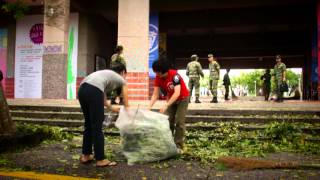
(244, 103)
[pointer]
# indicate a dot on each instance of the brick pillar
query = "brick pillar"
(133, 32)
(54, 70)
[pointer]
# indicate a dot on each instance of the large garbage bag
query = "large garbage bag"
(145, 136)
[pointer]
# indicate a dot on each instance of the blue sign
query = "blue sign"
(153, 42)
(314, 60)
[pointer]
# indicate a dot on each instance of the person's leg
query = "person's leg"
(96, 108)
(215, 90)
(210, 86)
(171, 112)
(180, 127)
(87, 138)
(268, 89)
(211, 90)
(226, 96)
(278, 91)
(191, 85)
(265, 92)
(197, 89)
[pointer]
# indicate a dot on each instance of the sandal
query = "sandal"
(84, 159)
(104, 163)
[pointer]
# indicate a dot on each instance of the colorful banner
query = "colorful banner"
(153, 41)
(314, 57)
(72, 56)
(28, 57)
(3, 55)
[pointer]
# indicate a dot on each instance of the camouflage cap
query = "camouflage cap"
(194, 57)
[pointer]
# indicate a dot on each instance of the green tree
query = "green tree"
(7, 126)
(247, 80)
(18, 9)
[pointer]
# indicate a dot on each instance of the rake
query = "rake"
(238, 163)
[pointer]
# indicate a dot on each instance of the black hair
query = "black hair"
(161, 66)
(228, 70)
(118, 49)
(268, 70)
(119, 68)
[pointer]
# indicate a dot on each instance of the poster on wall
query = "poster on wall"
(3, 55)
(28, 57)
(72, 56)
(29, 53)
(153, 42)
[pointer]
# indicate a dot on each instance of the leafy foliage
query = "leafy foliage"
(228, 140)
(247, 80)
(49, 132)
(18, 9)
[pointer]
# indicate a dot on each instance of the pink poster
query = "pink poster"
(3, 55)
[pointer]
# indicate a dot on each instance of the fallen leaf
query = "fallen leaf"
(219, 174)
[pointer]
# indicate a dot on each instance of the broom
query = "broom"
(250, 164)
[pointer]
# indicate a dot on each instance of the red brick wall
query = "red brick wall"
(9, 91)
(138, 85)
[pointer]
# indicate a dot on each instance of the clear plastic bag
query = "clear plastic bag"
(146, 136)
(107, 123)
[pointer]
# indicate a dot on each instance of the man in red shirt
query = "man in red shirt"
(177, 98)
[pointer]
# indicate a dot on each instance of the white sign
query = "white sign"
(28, 57)
(29, 53)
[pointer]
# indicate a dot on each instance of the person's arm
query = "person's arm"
(125, 96)
(173, 98)
(108, 105)
(154, 97)
(284, 73)
(217, 68)
(187, 70)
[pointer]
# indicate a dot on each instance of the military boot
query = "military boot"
(214, 100)
(197, 100)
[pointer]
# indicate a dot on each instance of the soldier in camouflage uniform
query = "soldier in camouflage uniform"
(194, 71)
(214, 76)
(279, 77)
(116, 59)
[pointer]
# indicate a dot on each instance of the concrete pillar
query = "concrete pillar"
(133, 32)
(54, 70)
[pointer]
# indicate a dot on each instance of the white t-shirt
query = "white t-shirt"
(105, 80)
